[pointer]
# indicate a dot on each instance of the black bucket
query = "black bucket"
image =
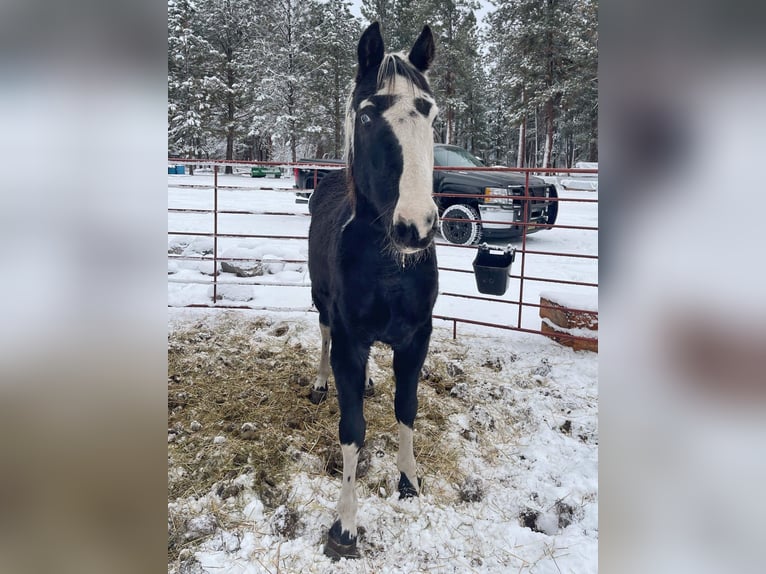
(491, 269)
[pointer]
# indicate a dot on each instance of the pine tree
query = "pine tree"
(267, 82)
(542, 49)
(334, 55)
(457, 77)
(580, 102)
(400, 20)
(286, 38)
(457, 52)
(228, 73)
(187, 105)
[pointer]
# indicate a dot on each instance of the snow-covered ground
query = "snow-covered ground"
(513, 484)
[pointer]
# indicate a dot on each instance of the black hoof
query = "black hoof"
(339, 544)
(369, 390)
(316, 396)
(406, 490)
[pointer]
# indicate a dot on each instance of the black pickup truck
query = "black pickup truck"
(473, 205)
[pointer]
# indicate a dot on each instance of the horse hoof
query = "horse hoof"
(369, 390)
(406, 489)
(340, 545)
(316, 396)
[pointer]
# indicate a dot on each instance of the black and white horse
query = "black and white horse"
(372, 259)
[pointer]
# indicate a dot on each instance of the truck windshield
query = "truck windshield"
(455, 157)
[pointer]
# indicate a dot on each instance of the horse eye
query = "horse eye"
(365, 119)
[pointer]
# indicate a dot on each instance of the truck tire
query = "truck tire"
(461, 232)
(553, 209)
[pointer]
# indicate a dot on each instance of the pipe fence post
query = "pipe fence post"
(215, 234)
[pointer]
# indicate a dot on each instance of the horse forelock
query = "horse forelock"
(397, 65)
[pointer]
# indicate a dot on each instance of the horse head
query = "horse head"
(389, 139)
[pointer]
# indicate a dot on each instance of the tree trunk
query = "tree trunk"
(593, 147)
(537, 140)
(291, 123)
(229, 111)
(290, 86)
(229, 144)
(338, 117)
(548, 149)
(522, 134)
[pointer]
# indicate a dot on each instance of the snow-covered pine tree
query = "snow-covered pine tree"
(579, 104)
(541, 47)
(227, 76)
(400, 20)
(457, 54)
(470, 85)
(286, 39)
(457, 76)
(265, 82)
(188, 107)
(334, 55)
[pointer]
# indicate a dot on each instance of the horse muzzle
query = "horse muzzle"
(409, 237)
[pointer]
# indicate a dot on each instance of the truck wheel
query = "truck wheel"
(461, 232)
(553, 209)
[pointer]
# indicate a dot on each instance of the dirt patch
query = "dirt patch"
(472, 489)
(528, 519)
(285, 522)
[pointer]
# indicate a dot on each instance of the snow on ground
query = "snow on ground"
(517, 413)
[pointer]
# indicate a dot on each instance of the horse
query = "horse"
(372, 260)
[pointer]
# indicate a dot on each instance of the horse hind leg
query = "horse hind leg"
(405, 461)
(319, 388)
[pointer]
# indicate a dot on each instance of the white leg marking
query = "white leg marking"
(347, 503)
(367, 378)
(324, 361)
(405, 460)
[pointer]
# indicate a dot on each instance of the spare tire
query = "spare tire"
(465, 232)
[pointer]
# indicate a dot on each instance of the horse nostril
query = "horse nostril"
(405, 233)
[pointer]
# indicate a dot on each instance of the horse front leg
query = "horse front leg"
(369, 386)
(408, 361)
(319, 388)
(348, 364)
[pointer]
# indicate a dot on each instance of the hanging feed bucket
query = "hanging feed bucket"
(492, 269)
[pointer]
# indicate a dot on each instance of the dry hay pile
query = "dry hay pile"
(238, 406)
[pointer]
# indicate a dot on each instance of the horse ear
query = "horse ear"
(370, 49)
(422, 53)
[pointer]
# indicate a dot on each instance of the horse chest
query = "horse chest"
(386, 303)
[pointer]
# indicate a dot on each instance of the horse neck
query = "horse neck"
(375, 232)
(365, 210)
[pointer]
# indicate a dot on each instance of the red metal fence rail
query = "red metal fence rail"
(524, 251)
